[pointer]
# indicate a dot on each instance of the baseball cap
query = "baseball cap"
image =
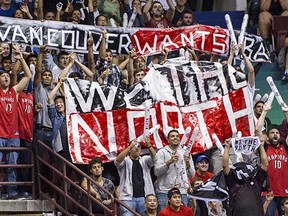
(201, 157)
(172, 192)
(273, 126)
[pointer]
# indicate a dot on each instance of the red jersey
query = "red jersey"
(8, 114)
(26, 115)
(278, 170)
(207, 175)
(184, 211)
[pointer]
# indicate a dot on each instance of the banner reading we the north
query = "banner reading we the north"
(102, 121)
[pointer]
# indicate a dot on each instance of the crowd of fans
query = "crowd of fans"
(32, 107)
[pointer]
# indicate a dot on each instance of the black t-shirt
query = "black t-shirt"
(137, 179)
(245, 195)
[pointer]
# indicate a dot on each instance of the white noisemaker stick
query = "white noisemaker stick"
(151, 131)
(243, 29)
(275, 91)
(218, 143)
(231, 32)
(191, 141)
(185, 136)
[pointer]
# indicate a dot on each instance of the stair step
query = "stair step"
(22, 206)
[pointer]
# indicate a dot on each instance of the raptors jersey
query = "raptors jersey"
(26, 115)
(278, 170)
(8, 114)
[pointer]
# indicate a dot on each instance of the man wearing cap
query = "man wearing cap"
(175, 206)
(9, 119)
(277, 153)
(173, 169)
(202, 165)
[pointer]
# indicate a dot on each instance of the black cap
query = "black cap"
(172, 192)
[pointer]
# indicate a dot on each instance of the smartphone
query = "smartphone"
(59, 5)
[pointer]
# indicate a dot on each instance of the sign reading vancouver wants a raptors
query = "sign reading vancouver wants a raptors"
(102, 120)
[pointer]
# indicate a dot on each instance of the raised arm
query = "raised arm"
(250, 67)
(146, 11)
(265, 5)
(232, 53)
(54, 92)
(171, 11)
(39, 65)
(126, 151)
(102, 50)
(86, 70)
(65, 71)
(263, 157)
(225, 159)
(40, 15)
(27, 73)
(260, 122)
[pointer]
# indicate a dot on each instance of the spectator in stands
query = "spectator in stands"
(270, 8)
(26, 125)
(216, 209)
(175, 206)
(258, 109)
(136, 5)
(9, 132)
(277, 152)
(154, 14)
(50, 15)
(135, 178)
(96, 169)
(244, 183)
(112, 10)
(62, 62)
(285, 63)
(207, 5)
(284, 205)
(179, 11)
(101, 20)
(202, 165)
(187, 18)
(6, 64)
(92, 11)
(24, 10)
(151, 205)
(198, 207)
(7, 8)
(5, 50)
(107, 73)
(173, 169)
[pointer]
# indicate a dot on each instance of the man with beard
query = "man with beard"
(173, 169)
(154, 14)
(96, 169)
(187, 18)
(180, 9)
(277, 153)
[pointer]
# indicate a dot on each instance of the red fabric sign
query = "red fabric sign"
(199, 37)
(104, 134)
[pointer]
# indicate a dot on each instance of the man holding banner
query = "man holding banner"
(135, 178)
(173, 169)
(244, 182)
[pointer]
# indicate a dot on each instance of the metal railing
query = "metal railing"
(20, 166)
(67, 198)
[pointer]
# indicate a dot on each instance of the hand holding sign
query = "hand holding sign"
(245, 145)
